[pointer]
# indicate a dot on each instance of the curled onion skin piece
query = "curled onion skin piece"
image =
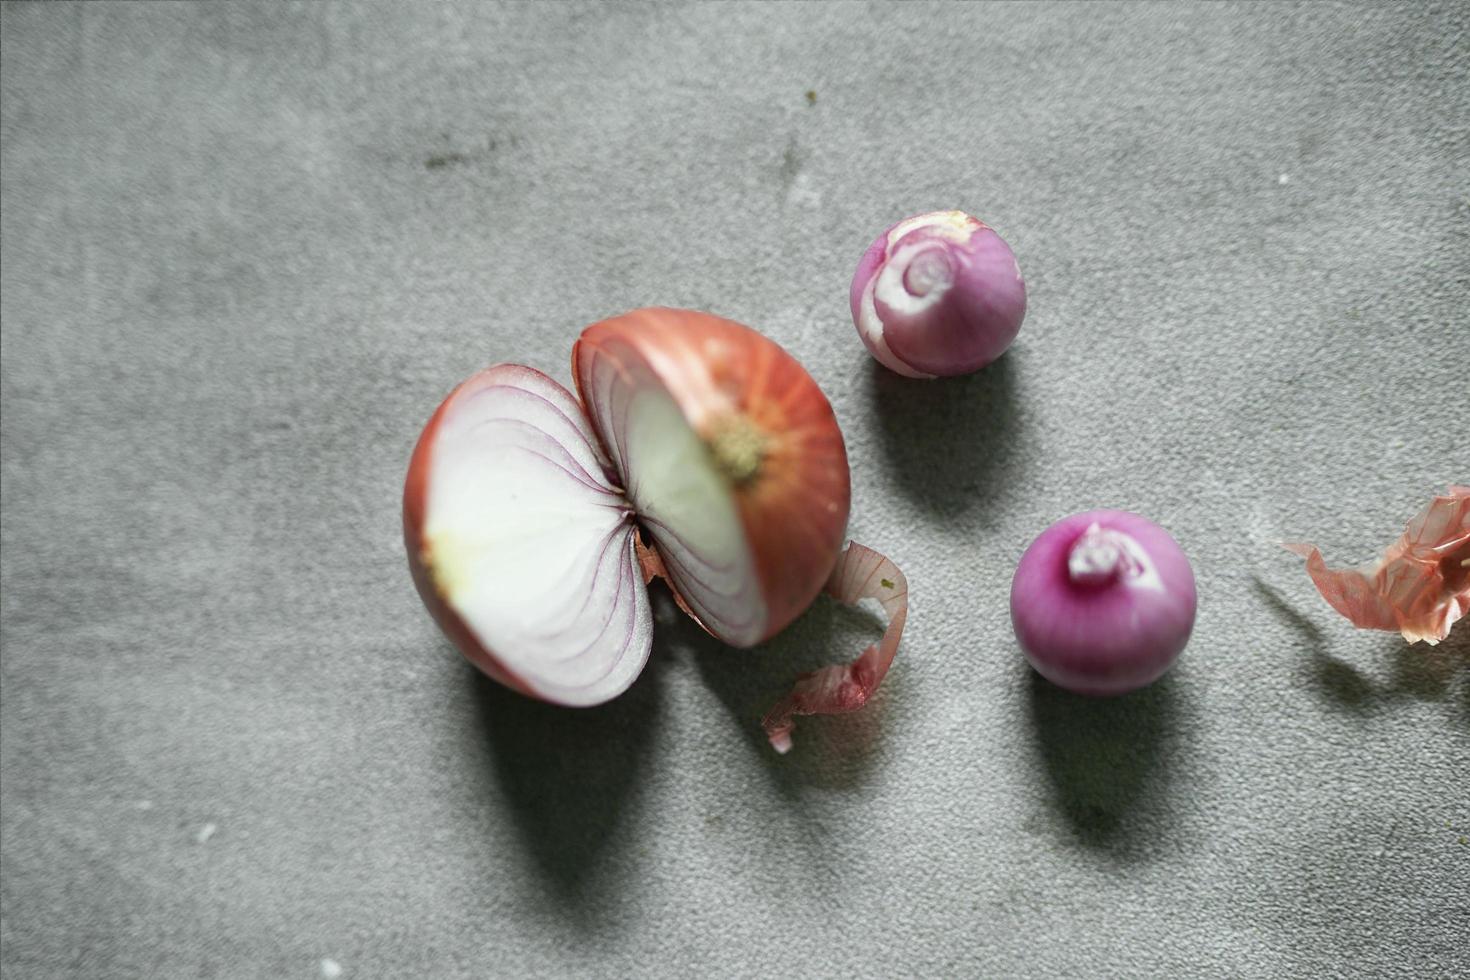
(861, 573)
(937, 295)
(792, 508)
(1420, 587)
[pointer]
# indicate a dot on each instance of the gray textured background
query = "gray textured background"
(246, 251)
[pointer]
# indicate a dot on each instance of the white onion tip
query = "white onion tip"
(331, 969)
(205, 833)
(1283, 180)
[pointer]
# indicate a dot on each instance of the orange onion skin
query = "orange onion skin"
(415, 505)
(794, 510)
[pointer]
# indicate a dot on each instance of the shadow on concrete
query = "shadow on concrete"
(1108, 760)
(828, 750)
(570, 777)
(1338, 682)
(949, 443)
(1419, 671)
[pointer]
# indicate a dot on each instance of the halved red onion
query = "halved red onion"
(521, 505)
(521, 545)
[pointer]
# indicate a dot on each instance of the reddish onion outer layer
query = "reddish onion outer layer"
(938, 294)
(1420, 587)
(723, 374)
(861, 573)
(1103, 602)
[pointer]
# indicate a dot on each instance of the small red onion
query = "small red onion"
(1103, 602)
(937, 295)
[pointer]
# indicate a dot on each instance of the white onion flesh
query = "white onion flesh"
(531, 544)
(685, 503)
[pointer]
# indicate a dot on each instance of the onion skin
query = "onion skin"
(415, 511)
(861, 573)
(794, 509)
(937, 295)
(1420, 587)
(1099, 634)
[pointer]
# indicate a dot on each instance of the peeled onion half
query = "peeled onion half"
(699, 451)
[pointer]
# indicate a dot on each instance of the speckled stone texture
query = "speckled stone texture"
(247, 249)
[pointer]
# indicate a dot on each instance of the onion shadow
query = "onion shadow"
(1465, 701)
(569, 777)
(1419, 671)
(973, 426)
(1338, 682)
(1426, 672)
(1456, 648)
(1110, 763)
(834, 751)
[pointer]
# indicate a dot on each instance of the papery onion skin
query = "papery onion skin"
(794, 507)
(1098, 627)
(937, 295)
(861, 573)
(1420, 587)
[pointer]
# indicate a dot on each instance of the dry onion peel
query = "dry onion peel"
(1421, 585)
(861, 573)
(700, 452)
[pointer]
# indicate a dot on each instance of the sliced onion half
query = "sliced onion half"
(523, 510)
(521, 544)
(733, 458)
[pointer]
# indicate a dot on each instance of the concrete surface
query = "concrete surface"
(248, 248)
